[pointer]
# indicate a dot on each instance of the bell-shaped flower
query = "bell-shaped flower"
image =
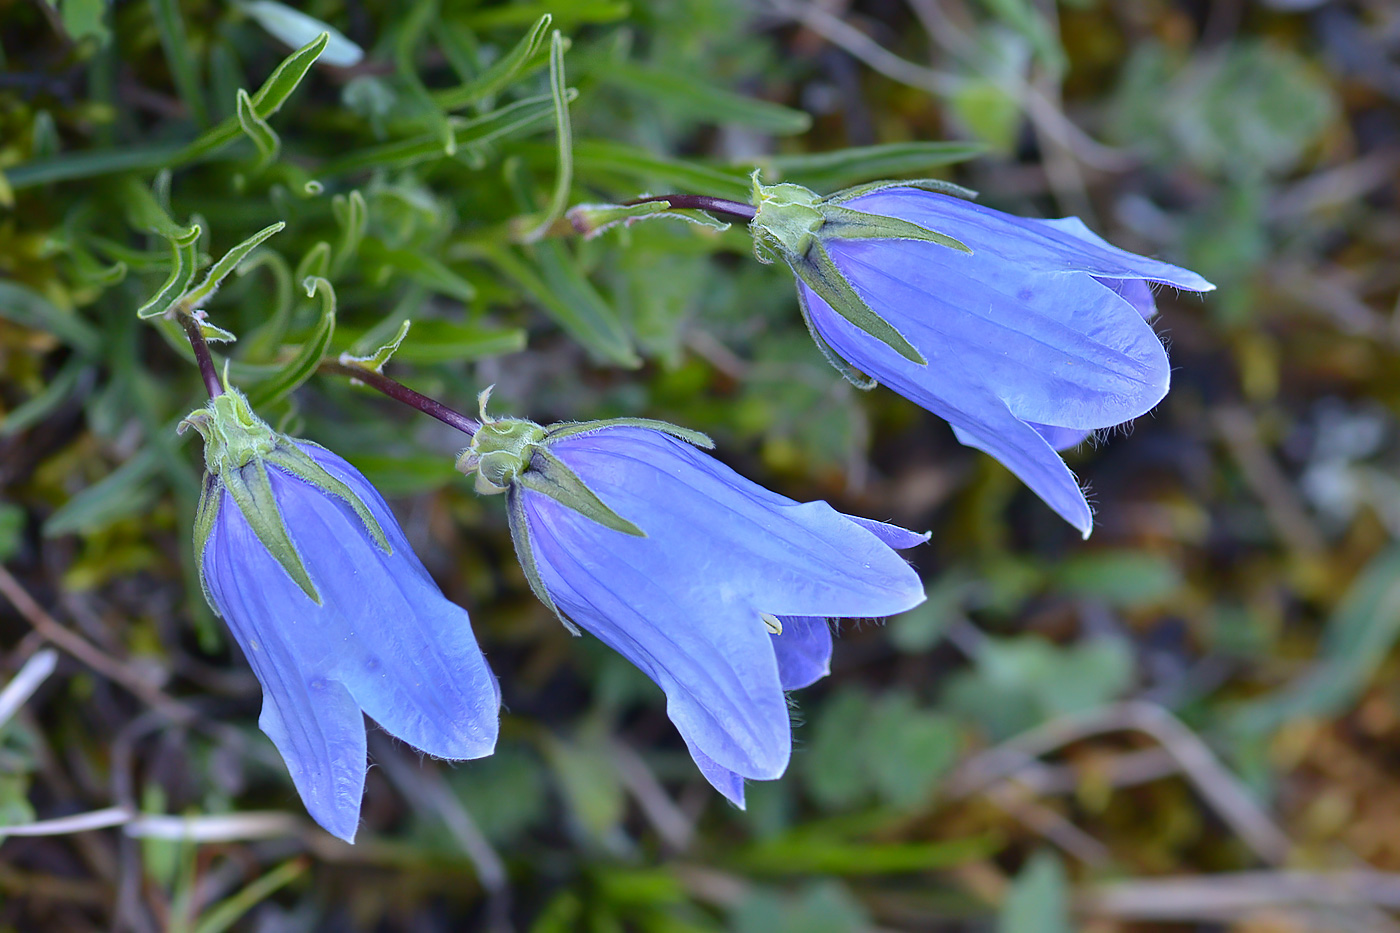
(337, 616)
(716, 588)
(1025, 335)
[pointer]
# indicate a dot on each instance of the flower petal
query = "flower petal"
(1060, 438)
(315, 724)
(710, 654)
(406, 652)
(1023, 451)
(893, 535)
(734, 541)
(1061, 245)
(803, 649)
(728, 783)
(1059, 349)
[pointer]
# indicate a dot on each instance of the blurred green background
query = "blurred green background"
(1190, 722)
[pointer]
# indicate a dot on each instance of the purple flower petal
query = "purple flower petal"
(685, 603)
(384, 640)
(803, 649)
(1033, 341)
(1059, 245)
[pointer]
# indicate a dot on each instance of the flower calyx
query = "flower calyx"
(238, 449)
(510, 455)
(797, 224)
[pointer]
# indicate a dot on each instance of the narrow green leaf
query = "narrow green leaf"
(183, 69)
(595, 158)
(352, 215)
(412, 26)
(315, 263)
(558, 286)
(183, 263)
(575, 12)
(267, 101)
(196, 298)
(420, 267)
(564, 141)
(691, 96)
(445, 342)
(809, 852)
(842, 167)
(227, 912)
(258, 130)
(1359, 636)
(308, 357)
(79, 165)
(501, 74)
(376, 360)
(524, 114)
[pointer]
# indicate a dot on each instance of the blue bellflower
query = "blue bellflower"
(337, 616)
(716, 588)
(1025, 335)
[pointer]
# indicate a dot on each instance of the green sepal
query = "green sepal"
(848, 372)
(210, 498)
(936, 185)
(574, 428)
(820, 274)
(549, 476)
(292, 460)
(238, 448)
(842, 223)
(524, 552)
(251, 490)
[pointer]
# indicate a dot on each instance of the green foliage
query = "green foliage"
(316, 177)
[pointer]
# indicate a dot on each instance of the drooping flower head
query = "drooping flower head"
(716, 588)
(335, 613)
(1025, 335)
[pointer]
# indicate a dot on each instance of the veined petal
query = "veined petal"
(893, 535)
(315, 724)
(803, 649)
(1060, 438)
(735, 541)
(1023, 451)
(712, 656)
(1058, 349)
(728, 783)
(406, 652)
(383, 639)
(1063, 245)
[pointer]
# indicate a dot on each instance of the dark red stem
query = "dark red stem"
(195, 333)
(402, 393)
(735, 210)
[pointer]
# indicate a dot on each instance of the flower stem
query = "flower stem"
(402, 393)
(734, 210)
(212, 382)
